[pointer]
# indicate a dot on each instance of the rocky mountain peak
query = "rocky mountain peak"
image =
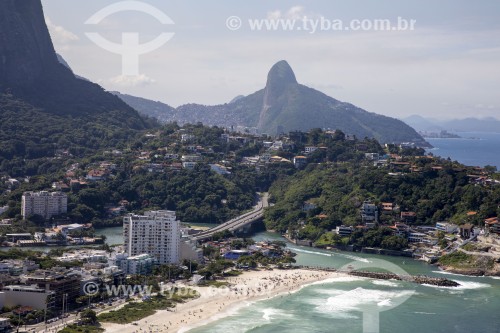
(26, 51)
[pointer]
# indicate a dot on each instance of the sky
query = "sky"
(447, 66)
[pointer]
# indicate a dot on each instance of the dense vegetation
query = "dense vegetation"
(31, 137)
(460, 260)
(339, 191)
(337, 180)
(198, 195)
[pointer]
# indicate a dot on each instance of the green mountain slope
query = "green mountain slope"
(43, 106)
(163, 112)
(338, 191)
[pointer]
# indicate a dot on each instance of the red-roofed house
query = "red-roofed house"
(493, 225)
(408, 217)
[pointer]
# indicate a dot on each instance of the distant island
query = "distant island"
(430, 125)
(440, 135)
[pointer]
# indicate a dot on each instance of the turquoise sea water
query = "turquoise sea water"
(481, 151)
(338, 305)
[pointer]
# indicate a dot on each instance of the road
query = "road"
(238, 222)
(61, 323)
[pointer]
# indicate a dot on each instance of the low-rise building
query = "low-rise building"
(387, 207)
(492, 225)
(189, 165)
(466, 231)
(97, 175)
(3, 209)
(279, 159)
(64, 283)
(372, 156)
(190, 158)
(408, 217)
(300, 162)
(4, 324)
(310, 149)
(86, 255)
(32, 296)
(445, 227)
(189, 251)
(344, 230)
(369, 212)
(12, 183)
(220, 169)
(416, 237)
(401, 229)
(235, 254)
(138, 265)
(187, 138)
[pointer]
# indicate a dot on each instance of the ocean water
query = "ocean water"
(482, 151)
(339, 304)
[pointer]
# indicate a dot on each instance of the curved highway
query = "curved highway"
(238, 222)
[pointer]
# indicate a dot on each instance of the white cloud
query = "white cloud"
(132, 81)
(293, 13)
(59, 34)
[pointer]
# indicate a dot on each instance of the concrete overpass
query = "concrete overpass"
(238, 222)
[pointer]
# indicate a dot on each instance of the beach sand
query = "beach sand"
(215, 303)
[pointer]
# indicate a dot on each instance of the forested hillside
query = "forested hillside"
(338, 191)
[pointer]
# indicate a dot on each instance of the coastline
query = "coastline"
(216, 303)
(477, 272)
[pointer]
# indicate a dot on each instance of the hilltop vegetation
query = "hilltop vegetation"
(44, 108)
(143, 176)
(338, 190)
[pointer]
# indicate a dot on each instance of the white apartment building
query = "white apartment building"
(138, 265)
(46, 204)
(156, 233)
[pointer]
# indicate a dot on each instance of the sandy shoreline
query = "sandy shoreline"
(215, 303)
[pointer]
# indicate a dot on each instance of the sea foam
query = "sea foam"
(464, 285)
(385, 283)
(360, 299)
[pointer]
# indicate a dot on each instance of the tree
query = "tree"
(247, 261)
(395, 243)
(89, 317)
(490, 169)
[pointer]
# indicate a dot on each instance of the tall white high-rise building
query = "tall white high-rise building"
(46, 204)
(156, 233)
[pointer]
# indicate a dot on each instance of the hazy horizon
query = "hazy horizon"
(448, 67)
